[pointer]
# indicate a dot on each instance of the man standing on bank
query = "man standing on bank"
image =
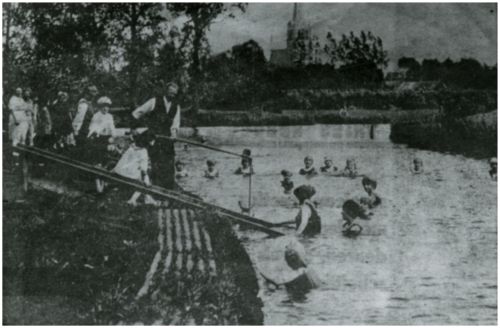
(162, 116)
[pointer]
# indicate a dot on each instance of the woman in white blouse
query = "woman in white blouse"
(102, 123)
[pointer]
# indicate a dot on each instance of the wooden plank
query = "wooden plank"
(196, 235)
(187, 230)
(257, 224)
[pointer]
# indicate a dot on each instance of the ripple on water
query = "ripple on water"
(399, 299)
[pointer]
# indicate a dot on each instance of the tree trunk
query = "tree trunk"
(133, 69)
(196, 70)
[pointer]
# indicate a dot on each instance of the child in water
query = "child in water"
(351, 168)
(352, 210)
(308, 170)
(307, 221)
(373, 200)
(287, 182)
(493, 168)
(180, 170)
(417, 166)
(328, 168)
(246, 168)
(299, 279)
(211, 172)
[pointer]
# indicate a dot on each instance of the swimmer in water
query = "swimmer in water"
(287, 182)
(328, 168)
(493, 168)
(246, 168)
(373, 200)
(308, 170)
(180, 170)
(417, 166)
(352, 210)
(350, 170)
(211, 172)
(300, 279)
(307, 221)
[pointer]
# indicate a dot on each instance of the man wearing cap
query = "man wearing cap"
(84, 113)
(161, 115)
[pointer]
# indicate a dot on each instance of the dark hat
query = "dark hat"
(286, 173)
(304, 192)
(177, 162)
(210, 163)
(247, 152)
(367, 180)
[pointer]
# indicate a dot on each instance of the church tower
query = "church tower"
(294, 25)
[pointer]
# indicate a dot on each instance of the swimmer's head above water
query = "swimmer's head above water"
(308, 162)
(418, 165)
(304, 192)
(369, 184)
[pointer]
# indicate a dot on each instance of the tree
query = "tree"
(200, 16)
(412, 66)
(53, 46)
(138, 29)
(355, 50)
(359, 58)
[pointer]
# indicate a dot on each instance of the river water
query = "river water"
(428, 256)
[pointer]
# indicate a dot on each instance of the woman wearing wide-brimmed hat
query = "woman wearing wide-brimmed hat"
(297, 277)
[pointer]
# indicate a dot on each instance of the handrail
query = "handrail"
(257, 224)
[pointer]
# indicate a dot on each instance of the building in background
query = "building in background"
(302, 47)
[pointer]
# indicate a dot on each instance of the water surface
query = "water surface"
(427, 257)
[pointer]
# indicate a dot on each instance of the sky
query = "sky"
(420, 30)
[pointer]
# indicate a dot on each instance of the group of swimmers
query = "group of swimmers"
(211, 172)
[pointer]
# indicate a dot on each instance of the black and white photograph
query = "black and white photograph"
(219, 163)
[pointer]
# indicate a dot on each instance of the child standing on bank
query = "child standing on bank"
(134, 164)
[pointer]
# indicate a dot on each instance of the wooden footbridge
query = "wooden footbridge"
(173, 198)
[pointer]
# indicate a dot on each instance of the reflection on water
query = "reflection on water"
(427, 257)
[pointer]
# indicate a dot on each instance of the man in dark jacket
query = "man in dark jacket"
(161, 115)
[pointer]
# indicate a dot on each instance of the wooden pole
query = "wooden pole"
(250, 191)
(202, 145)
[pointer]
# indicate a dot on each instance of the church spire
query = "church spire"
(297, 14)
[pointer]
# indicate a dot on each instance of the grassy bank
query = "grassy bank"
(473, 135)
(92, 255)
